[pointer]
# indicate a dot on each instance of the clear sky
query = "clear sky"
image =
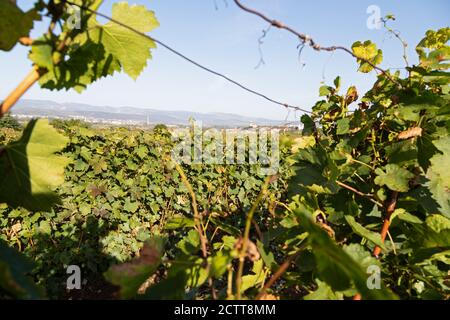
(221, 36)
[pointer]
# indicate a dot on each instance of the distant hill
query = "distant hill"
(131, 115)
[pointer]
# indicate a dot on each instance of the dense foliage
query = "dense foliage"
(8, 121)
(360, 207)
(120, 188)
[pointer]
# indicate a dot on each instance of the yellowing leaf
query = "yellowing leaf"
(367, 52)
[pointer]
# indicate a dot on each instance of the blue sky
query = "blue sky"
(221, 36)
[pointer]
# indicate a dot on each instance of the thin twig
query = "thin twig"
(392, 242)
(260, 43)
(281, 270)
(306, 39)
(368, 196)
(248, 223)
(397, 35)
(197, 217)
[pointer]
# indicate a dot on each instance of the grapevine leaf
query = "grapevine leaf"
(437, 233)
(130, 206)
(343, 126)
(325, 91)
(14, 23)
(87, 62)
(13, 279)
(129, 48)
(178, 222)
(403, 215)
(360, 254)
(131, 275)
(257, 276)
(171, 288)
(394, 177)
(439, 175)
(336, 266)
(363, 232)
(426, 150)
(31, 169)
(438, 223)
(219, 264)
(367, 51)
(432, 50)
(323, 292)
(41, 53)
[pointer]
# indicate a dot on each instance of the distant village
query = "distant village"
(147, 123)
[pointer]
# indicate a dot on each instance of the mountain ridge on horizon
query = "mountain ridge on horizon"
(49, 108)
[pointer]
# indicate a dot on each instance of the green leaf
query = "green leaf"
(343, 126)
(14, 23)
(438, 223)
(86, 62)
(31, 169)
(120, 41)
(41, 53)
(308, 125)
(403, 215)
(219, 264)
(179, 222)
(14, 268)
(142, 152)
(45, 227)
(267, 256)
(131, 275)
(130, 206)
(425, 151)
(302, 142)
(394, 177)
(323, 292)
(363, 232)
(337, 83)
(439, 175)
(171, 288)
(190, 244)
(324, 91)
(361, 255)
(335, 266)
(252, 280)
(85, 208)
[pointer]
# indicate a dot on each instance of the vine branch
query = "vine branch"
(308, 40)
(197, 217)
(280, 271)
(19, 91)
(368, 196)
(248, 223)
